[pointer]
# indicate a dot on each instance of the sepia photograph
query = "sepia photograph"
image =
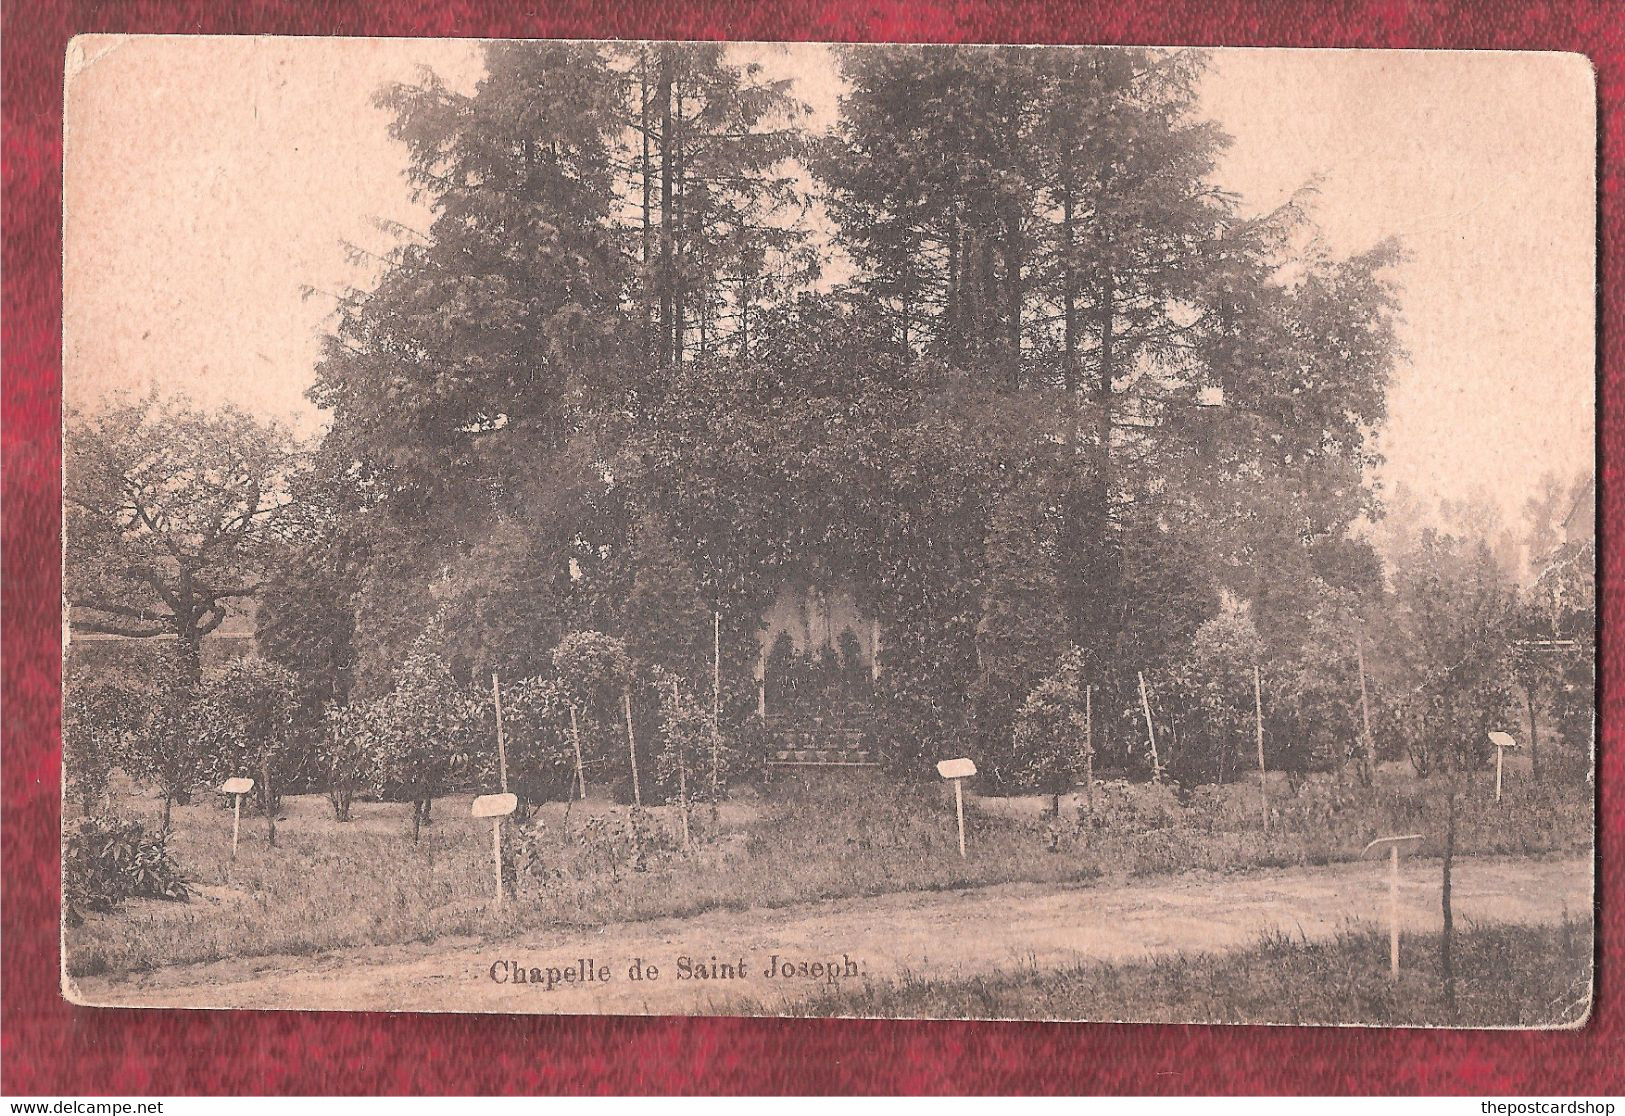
(1098, 534)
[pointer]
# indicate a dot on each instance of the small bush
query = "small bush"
(107, 860)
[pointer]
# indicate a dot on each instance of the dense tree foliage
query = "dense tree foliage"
(246, 719)
(164, 750)
(1206, 702)
(1054, 729)
(1453, 613)
(425, 733)
(170, 516)
(1067, 416)
(101, 719)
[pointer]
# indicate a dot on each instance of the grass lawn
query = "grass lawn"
(1508, 976)
(329, 885)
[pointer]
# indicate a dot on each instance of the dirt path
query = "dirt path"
(942, 934)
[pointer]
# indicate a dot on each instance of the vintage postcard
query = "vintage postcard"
(908, 531)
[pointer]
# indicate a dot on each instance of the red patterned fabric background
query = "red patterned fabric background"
(51, 1047)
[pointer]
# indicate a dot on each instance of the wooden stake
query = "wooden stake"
(631, 748)
(682, 770)
(575, 738)
(1393, 911)
(236, 819)
(1365, 710)
(502, 747)
(716, 707)
(761, 684)
(496, 846)
(716, 667)
(874, 650)
(1258, 719)
(959, 813)
(1150, 730)
(1089, 746)
(265, 797)
(1393, 844)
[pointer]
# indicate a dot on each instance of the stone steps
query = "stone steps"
(821, 757)
(841, 739)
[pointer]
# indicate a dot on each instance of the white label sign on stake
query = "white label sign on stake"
(496, 807)
(1502, 741)
(957, 771)
(1393, 844)
(236, 788)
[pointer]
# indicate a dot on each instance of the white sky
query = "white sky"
(209, 180)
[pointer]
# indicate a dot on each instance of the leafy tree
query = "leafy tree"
(247, 720)
(468, 368)
(1021, 631)
(170, 515)
(100, 720)
(932, 173)
(686, 742)
(1208, 701)
(1451, 644)
(1556, 623)
(602, 320)
(666, 623)
(166, 749)
(347, 756)
(592, 668)
(425, 731)
(594, 675)
(1053, 737)
(541, 754)
(505, 338)
(306, 609)
(719, 200)
(305, 623)
(1100, 258)
(483, 336)
(1556, 619)
(1312, 708)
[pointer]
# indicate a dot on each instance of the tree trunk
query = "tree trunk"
(632, 748)
(166, 811)
(1069, 301)
(1103, 389)
(339, 798)
(191, 656)
(679, 295)
(950, 300)
(648, 200)
(1447, 942)
(269, 799)
(1368, 773)
(1109, 576)
(667, 276)
(1534, 732)
(1089, 745)
(417, 819)
(1014, 295)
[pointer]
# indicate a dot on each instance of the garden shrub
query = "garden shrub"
(601, 845)
(106, 860)
(1122, 805)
